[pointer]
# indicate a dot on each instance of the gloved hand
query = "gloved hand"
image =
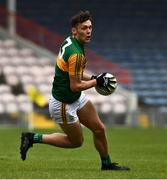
(101, 80)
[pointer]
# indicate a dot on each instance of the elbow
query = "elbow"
(75, 88)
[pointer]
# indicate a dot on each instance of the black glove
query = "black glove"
(101, 80)
(93, 77)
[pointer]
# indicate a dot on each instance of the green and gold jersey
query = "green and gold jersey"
(70, 61)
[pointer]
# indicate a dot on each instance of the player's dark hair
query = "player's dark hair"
(80, 17)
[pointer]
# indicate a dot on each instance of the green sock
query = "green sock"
(37, 138)
(106, 160)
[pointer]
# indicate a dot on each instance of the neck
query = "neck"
(80, 42)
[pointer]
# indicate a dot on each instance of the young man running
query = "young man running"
(69, 106)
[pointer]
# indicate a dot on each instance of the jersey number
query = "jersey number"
(69, 42)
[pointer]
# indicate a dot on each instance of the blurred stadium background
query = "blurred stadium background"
(129, 40)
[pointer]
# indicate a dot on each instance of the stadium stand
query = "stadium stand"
(26, 77)
(134, 37)
(134, 43)
(21, 68)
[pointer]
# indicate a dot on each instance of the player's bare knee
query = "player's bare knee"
(77, 142)
(100, 131)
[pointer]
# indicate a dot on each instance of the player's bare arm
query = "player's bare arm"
(76, 84)
(87, 77)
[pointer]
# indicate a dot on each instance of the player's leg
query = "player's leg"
(89, 117)
(72, 138)
(65, 115)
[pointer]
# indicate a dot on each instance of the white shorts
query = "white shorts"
(66, 113)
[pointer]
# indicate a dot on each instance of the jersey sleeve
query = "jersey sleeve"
(76, 64)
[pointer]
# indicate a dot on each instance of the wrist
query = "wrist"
(93, 77)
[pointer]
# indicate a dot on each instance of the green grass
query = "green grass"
(144, 151)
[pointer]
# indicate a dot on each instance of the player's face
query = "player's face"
(83, 31)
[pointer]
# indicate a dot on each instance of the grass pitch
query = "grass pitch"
(143, 150)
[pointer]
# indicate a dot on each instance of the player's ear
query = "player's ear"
(74, 31)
